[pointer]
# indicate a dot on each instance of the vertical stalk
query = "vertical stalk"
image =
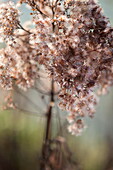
(45, 147)
(49, 114)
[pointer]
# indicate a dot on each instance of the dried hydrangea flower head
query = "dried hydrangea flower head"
(74, 41)
(80, 51)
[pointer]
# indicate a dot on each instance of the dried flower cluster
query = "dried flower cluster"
(74, 41)
(9, 21)
(18, 65)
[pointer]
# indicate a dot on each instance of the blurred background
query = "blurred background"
(22, 132)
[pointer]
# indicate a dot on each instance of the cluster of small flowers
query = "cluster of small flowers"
(9, 21)
(74, 41)
(84, 61)
(8, 102)
(77, 127)
(79, 51)
(18, 65)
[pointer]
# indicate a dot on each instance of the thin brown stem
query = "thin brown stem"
(21, 27)
(48, 130)
(38, 9)
(49, 114)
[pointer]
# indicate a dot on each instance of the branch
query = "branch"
(21, 27)
(41, 91)
(28, 99)
(38, 9)
(30, 112)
